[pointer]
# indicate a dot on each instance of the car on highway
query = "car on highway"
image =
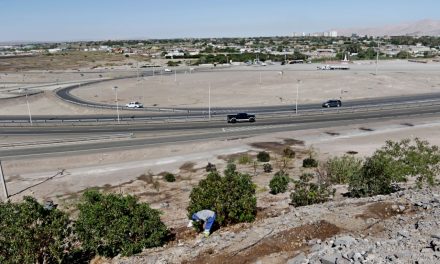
(134, 105)
(240, 117)
(332, 103)
(167, 70)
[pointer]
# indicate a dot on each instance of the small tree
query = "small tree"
(29, 233)
(169, 177)
(288, 153)
(110, 224)
(375, 178)
(263, 156)
(267, 167)
(279, 182)
(395, 162)
(232, 197)
(310, 163)
(210, 167)
(341, 169)
(307, 193)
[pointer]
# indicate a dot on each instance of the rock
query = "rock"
(331, 258)
(403, 233)
(345, 241)
(426, 250)
(299, 259)
(316, 247)
(357, 256)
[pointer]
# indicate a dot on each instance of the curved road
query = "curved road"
(197, 112)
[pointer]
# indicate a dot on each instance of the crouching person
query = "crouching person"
(208, 218)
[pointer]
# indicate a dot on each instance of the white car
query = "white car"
(167, 70)
(134, 105)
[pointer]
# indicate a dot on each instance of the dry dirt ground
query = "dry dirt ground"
(63, 178)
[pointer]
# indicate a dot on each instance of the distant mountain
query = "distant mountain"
(426, 27)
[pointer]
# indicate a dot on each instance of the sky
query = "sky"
(70, 20)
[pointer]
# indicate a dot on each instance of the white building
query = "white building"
(333, 34)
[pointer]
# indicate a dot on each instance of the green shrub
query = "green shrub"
(29, 233)
(231, 168)
(267, 167)
(210, 167)
(244, 159)
(232, 197)
(169, 177)
(412, 159)
(307, 193)
(112, 224)
(279, 182)
(263, 156)
(288, 153)
(341, 169)
(375, 178)
(395, 162)
(310, 163)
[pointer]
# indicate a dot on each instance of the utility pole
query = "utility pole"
(377, 54)
(5, 190)
(117, 103)
(28, 107)
(209, 101)
(297, 93)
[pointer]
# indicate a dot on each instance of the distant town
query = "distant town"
(298, 48)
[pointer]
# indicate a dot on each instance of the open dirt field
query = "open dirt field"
(63, 178)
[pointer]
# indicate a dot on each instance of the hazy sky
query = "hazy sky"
(56, 20)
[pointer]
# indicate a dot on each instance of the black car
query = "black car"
(332, 103)
(241, 117)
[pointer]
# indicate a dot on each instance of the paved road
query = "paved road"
(202, 130)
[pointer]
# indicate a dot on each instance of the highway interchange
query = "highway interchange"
(169, 126)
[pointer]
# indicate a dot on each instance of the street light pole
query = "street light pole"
(28, 107)
(3, 182)
(209, 101)
(377, 55)
(117, 103)
(297, 94)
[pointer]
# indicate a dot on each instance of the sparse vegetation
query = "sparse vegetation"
(341, 169)
(263, 156)
(310, 163)
(210, 167)
(169, 177)
(244, 159)
(267, 167)
(307, 193)
(288, 153)
(279, 182)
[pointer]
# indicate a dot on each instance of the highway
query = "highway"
(172, 133)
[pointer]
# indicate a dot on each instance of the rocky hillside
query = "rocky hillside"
(426, 27)
(400, 228)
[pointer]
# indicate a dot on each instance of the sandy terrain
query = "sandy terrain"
(241, 86)
(138, 171)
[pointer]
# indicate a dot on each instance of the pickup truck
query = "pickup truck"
(241, 117)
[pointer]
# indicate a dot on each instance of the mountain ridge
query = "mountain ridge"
(425, 27)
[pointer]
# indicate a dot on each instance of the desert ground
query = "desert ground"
(139, 171)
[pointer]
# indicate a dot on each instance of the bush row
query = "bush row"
(107, 225)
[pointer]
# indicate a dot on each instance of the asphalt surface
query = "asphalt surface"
(200, 131)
